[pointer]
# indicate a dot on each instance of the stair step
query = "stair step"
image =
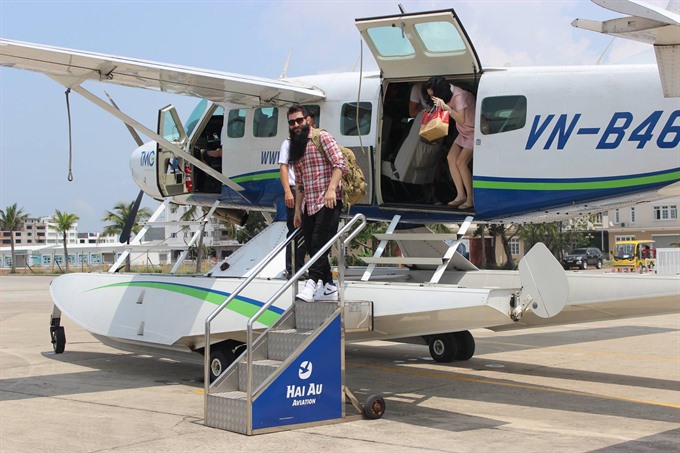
(310, 315)
(262, 369)
(282, 344)
(401, 260)
(227, 410)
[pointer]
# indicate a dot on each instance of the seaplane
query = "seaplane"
(550, 143)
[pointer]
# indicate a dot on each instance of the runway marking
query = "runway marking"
(507, 384)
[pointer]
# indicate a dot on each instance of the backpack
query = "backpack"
(353, 182)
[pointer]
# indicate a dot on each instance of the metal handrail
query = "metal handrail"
(256, 270)
(249, 337)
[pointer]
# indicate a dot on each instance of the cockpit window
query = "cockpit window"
(348, 118)
(440, 37)
(236, 123)
(391, 41)
(503, 114)
(265, 122)
(195, 116)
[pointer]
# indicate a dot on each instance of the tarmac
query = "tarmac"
(605, 386)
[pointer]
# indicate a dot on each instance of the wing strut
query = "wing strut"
(169, 146)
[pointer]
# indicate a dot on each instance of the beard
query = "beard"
(298, 143)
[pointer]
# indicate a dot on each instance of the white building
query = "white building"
(214, 236)
(55, 237)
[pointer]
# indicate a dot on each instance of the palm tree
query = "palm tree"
(11, 219)
(119, 218)
(64, 222)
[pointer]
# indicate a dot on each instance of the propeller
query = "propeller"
(127, 228)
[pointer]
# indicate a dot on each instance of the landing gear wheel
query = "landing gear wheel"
(58, 339)
(466, 345)
(443, 347)
(374, 407)
(220, 359)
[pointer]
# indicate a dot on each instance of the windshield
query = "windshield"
(624, 250)
(579, 252)
(195, 116)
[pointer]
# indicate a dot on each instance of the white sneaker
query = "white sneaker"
(328, 292)
(307, 293)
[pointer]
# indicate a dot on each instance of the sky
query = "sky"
(250, 38)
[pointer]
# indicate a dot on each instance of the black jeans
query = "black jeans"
(301, 244)
(318, 229)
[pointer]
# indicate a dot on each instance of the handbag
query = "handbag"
(435, 124)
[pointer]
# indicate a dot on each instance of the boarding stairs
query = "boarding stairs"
(441, 262)
(292, 375)
(153, 221)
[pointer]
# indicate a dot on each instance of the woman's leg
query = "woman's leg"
(452, 158)
(462, 165)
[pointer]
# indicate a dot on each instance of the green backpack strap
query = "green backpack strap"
(316, 139)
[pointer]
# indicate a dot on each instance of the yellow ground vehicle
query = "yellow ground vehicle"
(634, 255)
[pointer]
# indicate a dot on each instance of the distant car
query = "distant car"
(582, 258)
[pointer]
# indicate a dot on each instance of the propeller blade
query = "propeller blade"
(127, 229)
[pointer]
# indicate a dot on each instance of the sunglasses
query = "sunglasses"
(296, 120)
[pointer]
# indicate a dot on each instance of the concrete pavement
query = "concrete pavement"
(606, 386)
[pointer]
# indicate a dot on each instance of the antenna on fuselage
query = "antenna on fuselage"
(284, 71)
(401, 8)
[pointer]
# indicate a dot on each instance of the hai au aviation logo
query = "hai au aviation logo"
(304, 395)
(305, 370)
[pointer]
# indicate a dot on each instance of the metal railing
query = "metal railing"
(208, 321)
(256, 270)
(249, 337)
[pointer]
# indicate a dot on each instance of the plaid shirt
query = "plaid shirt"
(314, 171)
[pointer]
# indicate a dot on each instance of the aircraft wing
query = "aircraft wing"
(648, 24)
(73, 67)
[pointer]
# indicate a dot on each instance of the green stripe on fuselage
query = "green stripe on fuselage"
(274, 174)
(240, 306)
(578, 185)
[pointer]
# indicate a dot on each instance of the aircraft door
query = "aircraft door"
(204, 127)
(420, 45)
(174, 173)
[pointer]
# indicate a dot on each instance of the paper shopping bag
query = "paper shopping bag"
(435, 124)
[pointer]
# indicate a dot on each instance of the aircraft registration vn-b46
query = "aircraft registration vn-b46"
(549, 143)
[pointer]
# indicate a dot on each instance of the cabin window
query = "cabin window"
(440, 37)
(265, 122)
(315, 111)
(391, 41)
(350, 117)
(503, 114)
(236, 123)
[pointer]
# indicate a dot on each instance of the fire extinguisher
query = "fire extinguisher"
(187, 178)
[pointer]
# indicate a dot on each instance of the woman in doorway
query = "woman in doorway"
(460, 105)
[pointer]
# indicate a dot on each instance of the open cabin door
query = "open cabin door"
(204, 128)
(409, 49)
(420, 45)
(172, 175)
